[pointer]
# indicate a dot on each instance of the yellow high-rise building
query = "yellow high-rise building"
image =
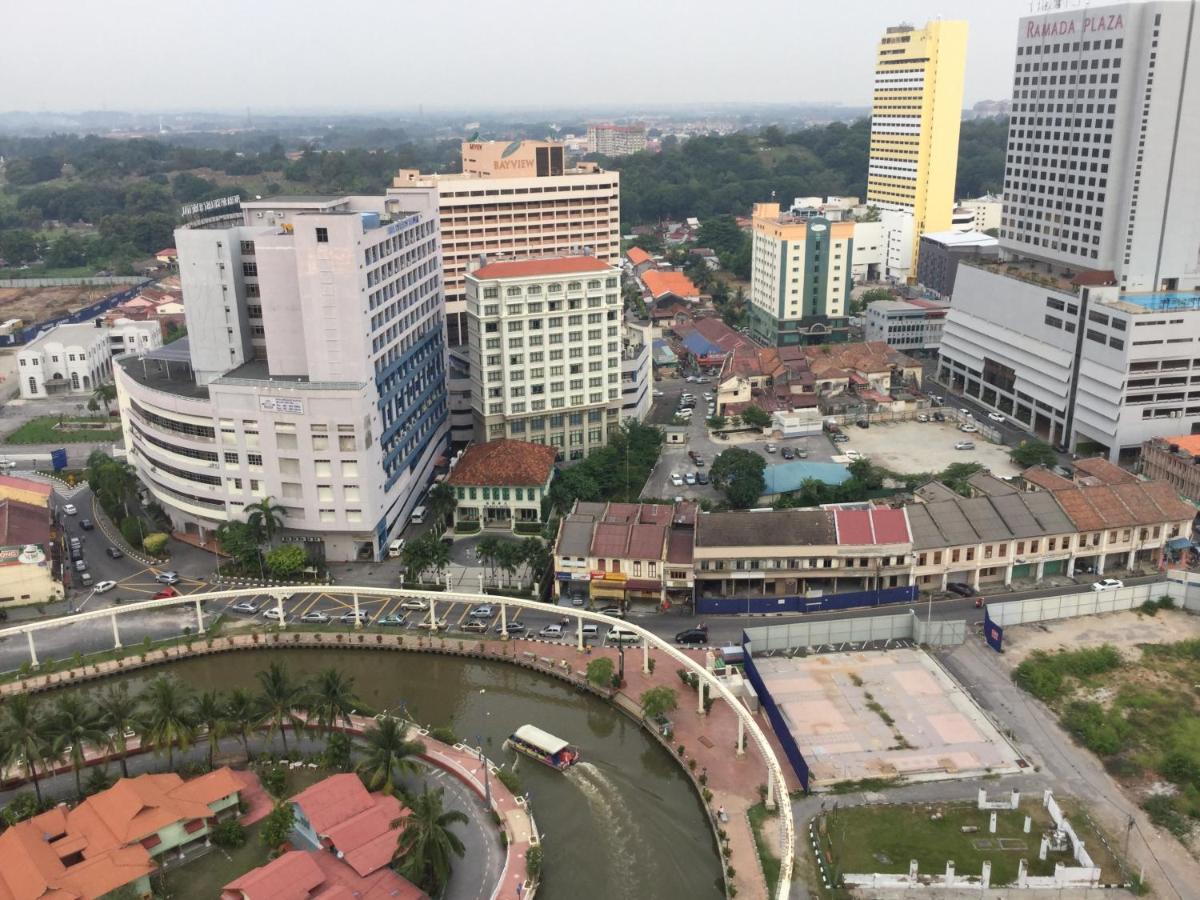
(915, 115)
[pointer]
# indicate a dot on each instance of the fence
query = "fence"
(69, 282)
(715, 606)
(90, 311)
(1085, 603)
(790, 748)
(905, 627)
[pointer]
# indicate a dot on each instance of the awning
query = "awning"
(608, 588)
(1179, 543)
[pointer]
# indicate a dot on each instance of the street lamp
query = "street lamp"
(487, 784)
(621, 662)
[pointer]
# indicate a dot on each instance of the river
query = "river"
(623, 823)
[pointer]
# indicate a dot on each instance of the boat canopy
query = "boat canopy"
(542, 740)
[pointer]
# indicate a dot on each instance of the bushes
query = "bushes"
(444, 733)
(154, 544)
(274, 781)
(510, 780)
(230, 834)
(132, 530)
(1104, 733)
(1043, 674)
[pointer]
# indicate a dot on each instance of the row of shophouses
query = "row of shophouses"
(1104, 521)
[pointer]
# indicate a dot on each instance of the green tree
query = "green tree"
(387, 755)
(867, 297)
(166, 719)
(658, 701)
(278, 825)
(238, 541)
(210, 714)
(281, 701)
(331, 700)
(738, 474)
(1033, 452)
(956, 476)
(716, 423)
(756, 416)
(76, 727)
(424, 553)
(427, 845)
(266, 518)
(105, 394)
(600, 672)
(287, 560)
(441, 502)
(25, 737)
(118, 709)
(243, 715)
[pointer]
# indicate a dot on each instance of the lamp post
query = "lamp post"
(487, 784)
(621, 662)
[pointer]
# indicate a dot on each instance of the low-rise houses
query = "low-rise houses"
(660, 284)
(502, 483)
(1175, 460)
(30, 570)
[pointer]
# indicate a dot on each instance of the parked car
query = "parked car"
(658, 393)
(486, 611)
(590, 631)
(86, 524)
(85, 579)
(75, 542)
(577, 599)
(939, 417)
(771, 448)
(113, 552)
(968, 429)
(392, 619)
(475, 625)
(701, 478)
(249, 607)
(862, 423)
(80, 564)
(551, 631)
(414, 603)
(167, 577)
(166, 594)
(437, 625)
(676, 479)
(105, 586)
(922, 417)
(700, 463)
(693, 455)
(787, 453)
(351, 616)
(510, 628)
(315, 617)
(996, 417)
(852, 455)
(76, 554)
(964, 445)
(966, 413)
(68, 509)
(689, 478)
(272, 614)
(615, 611)
(1108, 584)
(692, 636)
(960, 588)
(839, 438)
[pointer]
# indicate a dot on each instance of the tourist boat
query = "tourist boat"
(543, 746)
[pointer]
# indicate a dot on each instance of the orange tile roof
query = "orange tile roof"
(637, 256)
(504, 463)
(1187, 442)
(528, 268)
(362, 827)
(1042, 477)
(659, 283)
(332, 800)
(292, 876)
(1099, 470)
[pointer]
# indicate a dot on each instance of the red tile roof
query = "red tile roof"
(23, 523)
(1096, 507)
(680, 546)
(23, 484)
(280, 880)
(504, 463)
(333, 800)
(637, 256)
(1042, 477)
(1101, 471)
(660, 283)
(362, 827)
(871, 526)
(529, 268)
(292, 876)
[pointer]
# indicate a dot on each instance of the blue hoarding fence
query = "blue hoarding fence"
(58, 459)
(25, 335)
(782, 732)
(992, 633)
(716, 606)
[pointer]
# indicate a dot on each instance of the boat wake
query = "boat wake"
(619, 825)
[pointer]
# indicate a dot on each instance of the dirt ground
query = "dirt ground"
(38, 304)
(1124, 630)
(911, 447)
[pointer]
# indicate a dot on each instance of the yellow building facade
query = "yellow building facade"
(916, 111)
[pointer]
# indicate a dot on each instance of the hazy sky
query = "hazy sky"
(354, 55)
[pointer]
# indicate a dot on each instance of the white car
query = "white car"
(245, 606)
(1108, 584)
(968, 429)
(347, 618)
(316, 617)
(658, 394)
(273, 614)
(852, 455)
(771, 448)
(439, 625)
(676, 479)
(922, 417)
(551, 631)
(103, 586)
(966, 412)
(996, 417)
(965, 445)
(69, 509)
(415, 603)
(690, 478)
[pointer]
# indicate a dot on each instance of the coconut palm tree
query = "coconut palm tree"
(75, 726)
(25, 736)
(167, 717)
(210, 712)
(265, 517)
(441, 502)
(105, 394)
(388, 754)
(118, 710)
(281, 701)
(331, 699)
(426, 844)
(242, 714)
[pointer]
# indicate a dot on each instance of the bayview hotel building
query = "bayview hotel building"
(313, 372)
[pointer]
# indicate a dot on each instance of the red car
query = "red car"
(166, 593)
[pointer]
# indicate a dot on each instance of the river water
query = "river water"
(623, 823)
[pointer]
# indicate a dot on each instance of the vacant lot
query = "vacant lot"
(38, 304)
(1136, 706)
(867, 839)
(911, 447)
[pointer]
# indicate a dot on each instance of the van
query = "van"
(418, 515)
(619, 635)
(395, 548)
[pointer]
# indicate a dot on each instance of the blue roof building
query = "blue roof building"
(785, 477)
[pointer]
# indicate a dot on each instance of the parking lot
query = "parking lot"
(911, 447)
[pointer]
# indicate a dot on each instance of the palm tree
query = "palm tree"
(265, 517)
(281, 701)
(241, 712)
(331, 699)
(426, 843)
(168, 717)
(210, 712)
(119, 714)
(75, 726)
(106, 394)
(388, 755)
(441, 502)
(25, 736)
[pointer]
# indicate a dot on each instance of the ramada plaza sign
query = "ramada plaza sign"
(1085, 26)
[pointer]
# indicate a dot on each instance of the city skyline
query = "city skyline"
(213, 69)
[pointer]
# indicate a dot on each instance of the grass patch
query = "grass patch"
(758, 815)
(864, 784)
(42, 430)
(205, 876)
(1048, 675)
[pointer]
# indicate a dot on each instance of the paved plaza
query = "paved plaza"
(881, 715)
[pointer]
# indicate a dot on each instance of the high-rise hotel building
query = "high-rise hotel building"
(1088, 331)
(915, 115)
(313, 373)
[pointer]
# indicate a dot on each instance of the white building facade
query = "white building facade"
(77, 358)
(332, 397)
(906, 325)
(546, 352)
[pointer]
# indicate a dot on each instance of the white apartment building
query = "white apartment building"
(1103, 142)
(546, 351)
(514, 201)
(616, 140)
(988, 211)
(313, 373)
(77, 358)
(907, 325)
(869, 248)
